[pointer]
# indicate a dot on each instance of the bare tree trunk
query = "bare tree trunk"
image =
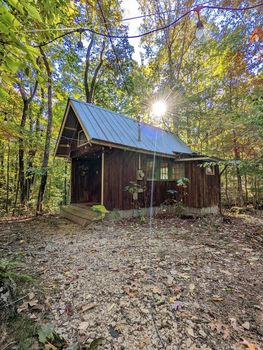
(7, 177)
(21, 151)
(48, 136)
(226, 188)
(90, 86)
(246, 191)
(21, 169)
(240, 200)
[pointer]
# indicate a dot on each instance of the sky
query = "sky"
(131, 9)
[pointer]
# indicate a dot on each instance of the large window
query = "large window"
(164, 171)
(177, 171)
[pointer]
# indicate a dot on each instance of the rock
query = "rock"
(246, 325)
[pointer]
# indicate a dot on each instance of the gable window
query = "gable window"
(164, 171)
(177, 171)
(81, 138)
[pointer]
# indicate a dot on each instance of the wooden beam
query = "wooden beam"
(129, 149)
(193, 159)
(69, 128)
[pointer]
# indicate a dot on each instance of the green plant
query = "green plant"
(182, 182)
(6, 272)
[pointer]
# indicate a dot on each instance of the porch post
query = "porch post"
(102, 176)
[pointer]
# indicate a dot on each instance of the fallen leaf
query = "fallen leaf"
(217, 298)
(33, 303)
(31, 295)
(69, 309)
(144, 342)
(250, 346)
(183, 275)
(49, 346)
(190, 331)
(87, 307)
(131, 292)
(234, 324)
(176, 306)
(191, 287)
(83, 326)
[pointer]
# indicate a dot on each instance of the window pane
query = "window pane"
(149, 170)
(164, 171)
(178, 171)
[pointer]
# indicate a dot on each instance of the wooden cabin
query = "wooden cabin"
(111, 153)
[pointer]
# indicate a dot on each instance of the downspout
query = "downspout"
(102, 177)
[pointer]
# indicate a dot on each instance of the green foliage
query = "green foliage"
(100, 209)
(182, 182)
(7, 271)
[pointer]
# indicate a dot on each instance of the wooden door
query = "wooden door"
(86, 180)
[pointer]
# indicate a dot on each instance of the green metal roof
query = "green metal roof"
(114, 128)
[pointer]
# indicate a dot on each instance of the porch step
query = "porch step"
(79, 214)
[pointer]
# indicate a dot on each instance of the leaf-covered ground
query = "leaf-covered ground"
(187, 284)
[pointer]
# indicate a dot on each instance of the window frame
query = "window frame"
(86, 140)
(166, 168)
(156, 173)
(173, 172)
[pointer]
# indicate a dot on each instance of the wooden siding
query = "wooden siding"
(121, 167)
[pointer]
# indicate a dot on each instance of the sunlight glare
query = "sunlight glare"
(159, 108)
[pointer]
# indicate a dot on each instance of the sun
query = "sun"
(159, 108)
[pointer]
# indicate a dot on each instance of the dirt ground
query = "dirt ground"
(187, 284)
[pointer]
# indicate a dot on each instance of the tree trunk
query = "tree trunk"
(21, 169)
(43, 181)
(7, 177)
(226, 189)
(90, 85)
(240, 201)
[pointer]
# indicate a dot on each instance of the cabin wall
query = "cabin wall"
(121, 168)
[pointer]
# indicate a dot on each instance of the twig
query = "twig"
(16, 301)
(156, 328)
(7, 346)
